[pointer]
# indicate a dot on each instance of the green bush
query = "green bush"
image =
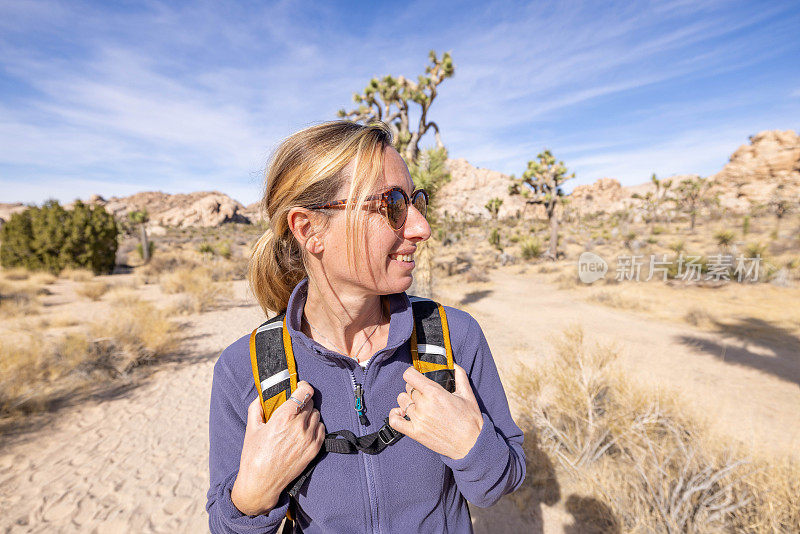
(205, 248)
(430, 173)
(224, 249)
(51, 238)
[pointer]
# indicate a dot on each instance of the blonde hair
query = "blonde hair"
(309, 168)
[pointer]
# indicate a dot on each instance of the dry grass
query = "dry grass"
(18, 299)
(43, 279)
(199, 286)
(607, 298)
(77, 275)
(34, 369)
(92, 290)
(634, 460)
(756, 311)
(16, 274)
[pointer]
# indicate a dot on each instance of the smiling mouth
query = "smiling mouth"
(408, 258)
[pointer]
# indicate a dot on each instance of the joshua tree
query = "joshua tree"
(693, 193)
(543, 179)
(779, 204)
(653, 200)
(388, 99)
(141, 218)
(662, 190)
(494, 206)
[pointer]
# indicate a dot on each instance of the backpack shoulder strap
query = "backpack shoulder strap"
(274, 368)
(275, 373)
(431, 351)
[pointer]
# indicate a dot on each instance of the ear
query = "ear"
(301, 224)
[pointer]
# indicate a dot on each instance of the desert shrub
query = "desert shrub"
(51, 238)
(752, 250)
(494, 239)
(746, 225)
(658, 230)
(34, 370)
(724, 238)
(76, 275)
(532, 248)
(614, 300)
(151, 246)
(42, 279)
(166, 262)
(226, 270)
(205, 248)
(92, 290)
(224, 249)
(136, 332)
(639, 457)
(199, 285)
(677, 246)
(17, 300)
(698, 317)
(15, 274)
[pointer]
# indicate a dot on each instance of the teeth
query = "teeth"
(404, 257)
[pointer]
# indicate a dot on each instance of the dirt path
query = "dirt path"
(137, 461)
(748, 392)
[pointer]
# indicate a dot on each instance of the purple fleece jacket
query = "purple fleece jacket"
(405, 488)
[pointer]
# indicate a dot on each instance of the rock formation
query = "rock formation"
(756, 169)
(466, 194)
(205, 208)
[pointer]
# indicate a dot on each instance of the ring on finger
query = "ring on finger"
(408, 406)
(411, 393)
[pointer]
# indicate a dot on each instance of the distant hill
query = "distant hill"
(747, 180)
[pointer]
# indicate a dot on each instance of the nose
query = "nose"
(416, 228)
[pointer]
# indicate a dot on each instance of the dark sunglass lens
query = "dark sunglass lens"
(421, 203)
(396, 208)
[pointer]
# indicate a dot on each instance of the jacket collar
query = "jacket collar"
(400, 327)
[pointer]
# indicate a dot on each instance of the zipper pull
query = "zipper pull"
(359, 394)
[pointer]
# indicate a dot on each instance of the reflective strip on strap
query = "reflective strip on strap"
(274, 379)
(270, 326)
(431, 349)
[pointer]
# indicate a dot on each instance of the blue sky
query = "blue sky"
(116, 98)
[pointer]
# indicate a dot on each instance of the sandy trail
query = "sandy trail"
(747, 391)
(136, 461)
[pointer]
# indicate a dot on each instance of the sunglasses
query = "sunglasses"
(393, 205)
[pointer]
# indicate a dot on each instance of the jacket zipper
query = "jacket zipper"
(358, 392)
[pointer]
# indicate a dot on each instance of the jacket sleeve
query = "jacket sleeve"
(228, 418)
(496, 463)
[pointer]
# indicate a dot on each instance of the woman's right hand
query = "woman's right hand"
(276, 452)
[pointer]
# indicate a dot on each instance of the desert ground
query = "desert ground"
(130, 455)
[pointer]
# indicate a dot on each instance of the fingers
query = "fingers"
(255, 413)
(463, 387)
(419, 381)
(411, 390)
(304, 393)
(404, 401)
(398, 422)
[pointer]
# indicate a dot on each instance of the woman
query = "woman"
(341, 276)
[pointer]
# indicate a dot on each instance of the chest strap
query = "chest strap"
(276, 377)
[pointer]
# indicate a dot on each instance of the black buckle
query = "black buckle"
(391, 434)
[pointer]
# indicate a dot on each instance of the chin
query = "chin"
(398, 285)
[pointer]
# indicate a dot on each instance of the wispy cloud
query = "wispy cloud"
(183, 97)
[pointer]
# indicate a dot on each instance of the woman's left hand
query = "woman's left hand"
(444, 422)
